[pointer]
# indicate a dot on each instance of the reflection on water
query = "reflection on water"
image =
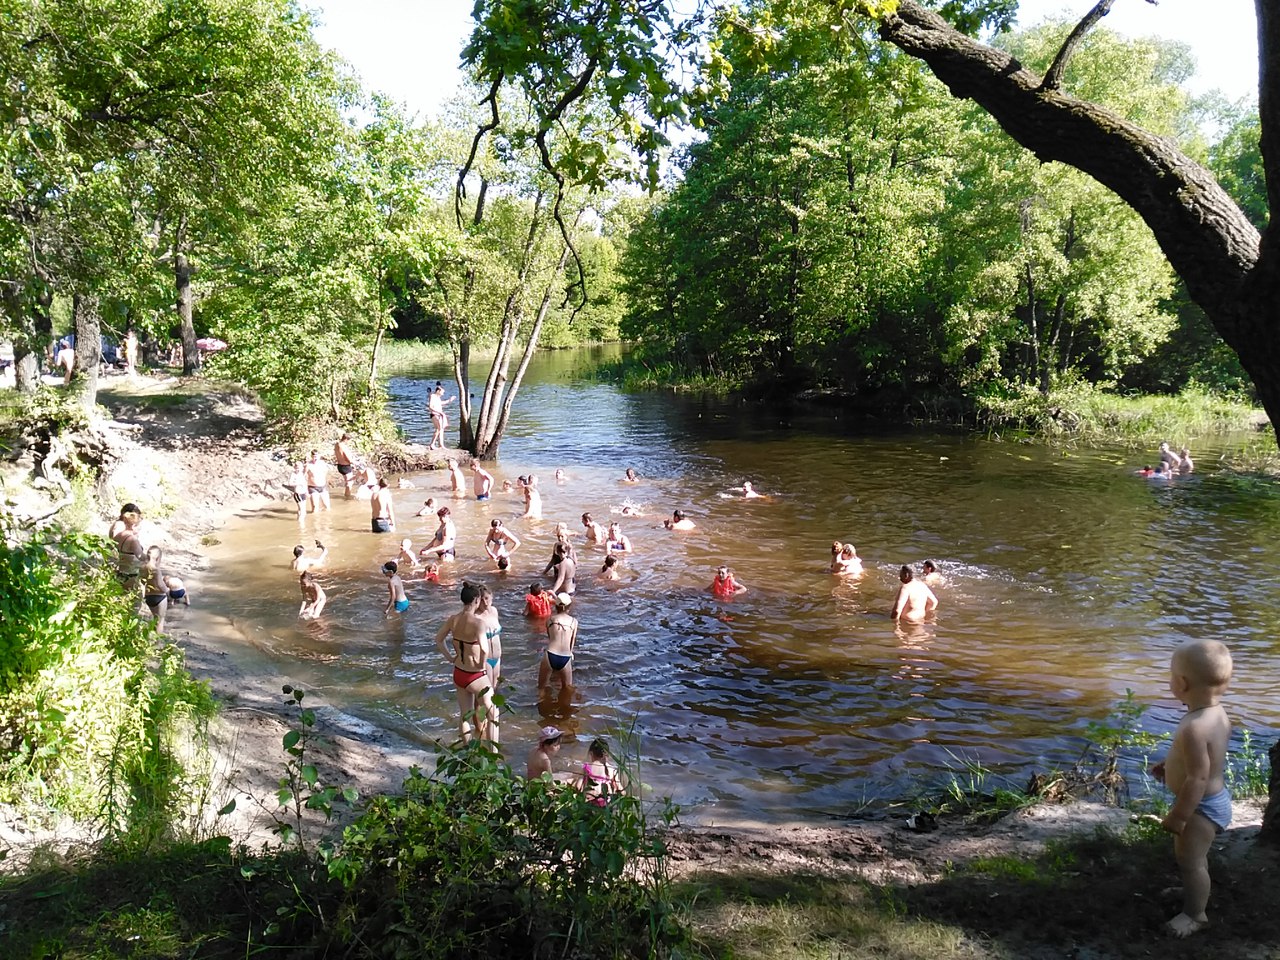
(1067, 580)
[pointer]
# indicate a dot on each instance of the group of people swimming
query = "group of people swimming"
(1169, 465)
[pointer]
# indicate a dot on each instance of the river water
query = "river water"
(1068, 580)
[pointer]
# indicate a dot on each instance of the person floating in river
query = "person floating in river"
(302, 562)
(679, 521)
(395, 589)
(313, 596)
(724, 586)
(846, 562)
(631, 476)
(915, 600)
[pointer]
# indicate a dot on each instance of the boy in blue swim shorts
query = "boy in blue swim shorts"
(1193, 770)
(395, 588)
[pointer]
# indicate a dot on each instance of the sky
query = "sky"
(409, 49)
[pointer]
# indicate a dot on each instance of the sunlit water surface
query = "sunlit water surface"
(1068, 580)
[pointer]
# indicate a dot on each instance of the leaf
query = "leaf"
(291, 739)
(229, 808)
(310, 774)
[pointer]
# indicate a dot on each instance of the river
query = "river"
(1067, 581)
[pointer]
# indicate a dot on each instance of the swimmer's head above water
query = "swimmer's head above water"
(905, 574)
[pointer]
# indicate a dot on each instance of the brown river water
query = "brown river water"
(1068, 580)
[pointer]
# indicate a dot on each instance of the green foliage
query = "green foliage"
(474, 861)
(92, 712)
(300, 787)
(1248, 769)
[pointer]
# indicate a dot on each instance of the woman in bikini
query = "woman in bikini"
(477, 713)
(562, 634)
(600, 779)
(442, 544)
(492, 635)
(617, 541)
(132, 555)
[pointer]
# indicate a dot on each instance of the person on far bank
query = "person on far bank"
(383, 508)
(539, 762)
(395, 589)
(342, 460)
(915, 600)
(1194, 770)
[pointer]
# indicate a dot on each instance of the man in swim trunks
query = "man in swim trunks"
(342, 460)
(478, 715)
(595, 533)
(384, 510)
(317, 474)
(442, 544)
(483, 480)
(302, 563)
(562, 634)
(915, 600)
(395, 589)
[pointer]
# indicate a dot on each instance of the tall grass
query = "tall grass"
(410, 356)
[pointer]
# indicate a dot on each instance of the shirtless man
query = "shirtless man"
(301, 563)
(477, 714)
(565, 568)
(679, 521)
(1184, 456)
(383, 509)
(313, 597)
(1170, 459)
(915, 600)
(444, 542)
(500, 542)
(846, 562)
(532, 500)
(631, 476)
(457, 482)
(66, 359)
(595, 533)
(342, 460)
(929, 573)
(562, 634)
(297, 485)
(483, 480)
(317, 473)
(540, 757)
(749, 492)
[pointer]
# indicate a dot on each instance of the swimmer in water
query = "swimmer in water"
(483, 480)
(507, 486)
(1170, 459)
(500, 541)
(532, 499)
(630, 509)
(428, 508)
(749, 492)
(561, 476)
(538, 602)
(313, 597)
(301, 563)
(846, 562)
(609, 571)
(457, 482)
(915, 600)
(631, 476)
(679, 521)
(1184, 455)
(563, 568)
(929, 573)
(431, 572)
(724, 586)
(539, 762)
(595, 533)
(406, 558)
(395, 589)
(616, 541)
(1145, 471)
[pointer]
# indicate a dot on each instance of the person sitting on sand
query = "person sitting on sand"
(538, 602)
(562, 634)
(301, 562)
(846, 562)
(442, 545)
(1194, 770)
(724, 586)
(313, 596)
(600, 779)
(609, 570)
(428, 508)
(915, 600)
(616, 541)
(457, 482)
(539, 763)
(395, 589)
(679, 521)
(155, 592)
(1184, 455)
(483, 480)
(595, 533)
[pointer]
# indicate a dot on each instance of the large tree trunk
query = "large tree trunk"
(182, 282)
(1230, 271)
(31, 337)
(88, 326)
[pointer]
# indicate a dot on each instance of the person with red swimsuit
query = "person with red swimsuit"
(478, 716)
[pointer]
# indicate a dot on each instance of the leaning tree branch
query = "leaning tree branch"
(460, 191)
(1208, 240)
(1053, 76)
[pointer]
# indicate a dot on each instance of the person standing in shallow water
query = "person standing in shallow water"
(477, 714)
(915, 600)
(384, 510)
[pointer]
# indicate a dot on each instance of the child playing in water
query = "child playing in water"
(431, 573)
(537, 602)
(155, 590)
(600, 779)
(609, 571)
(313, 597)
(1193, 770)
(406, 556)
(395, 589)
(724, 586)
(301, 562)
(177, 591)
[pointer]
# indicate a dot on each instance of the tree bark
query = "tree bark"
(1270, 832)
(182, 282)
(88, 326)
(1229, 270)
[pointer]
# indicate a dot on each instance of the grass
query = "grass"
(410, 356)
(633, 373)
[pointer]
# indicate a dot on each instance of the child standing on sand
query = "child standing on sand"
(1193, 770)
(395, 588)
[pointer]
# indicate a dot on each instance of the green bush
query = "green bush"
(474, 861)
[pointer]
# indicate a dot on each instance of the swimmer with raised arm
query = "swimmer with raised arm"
(483, 481)
(396, 598)
(1194, 770)
(915, 600)
(302, 563)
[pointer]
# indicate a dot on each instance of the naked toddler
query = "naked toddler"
(1193, 770)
